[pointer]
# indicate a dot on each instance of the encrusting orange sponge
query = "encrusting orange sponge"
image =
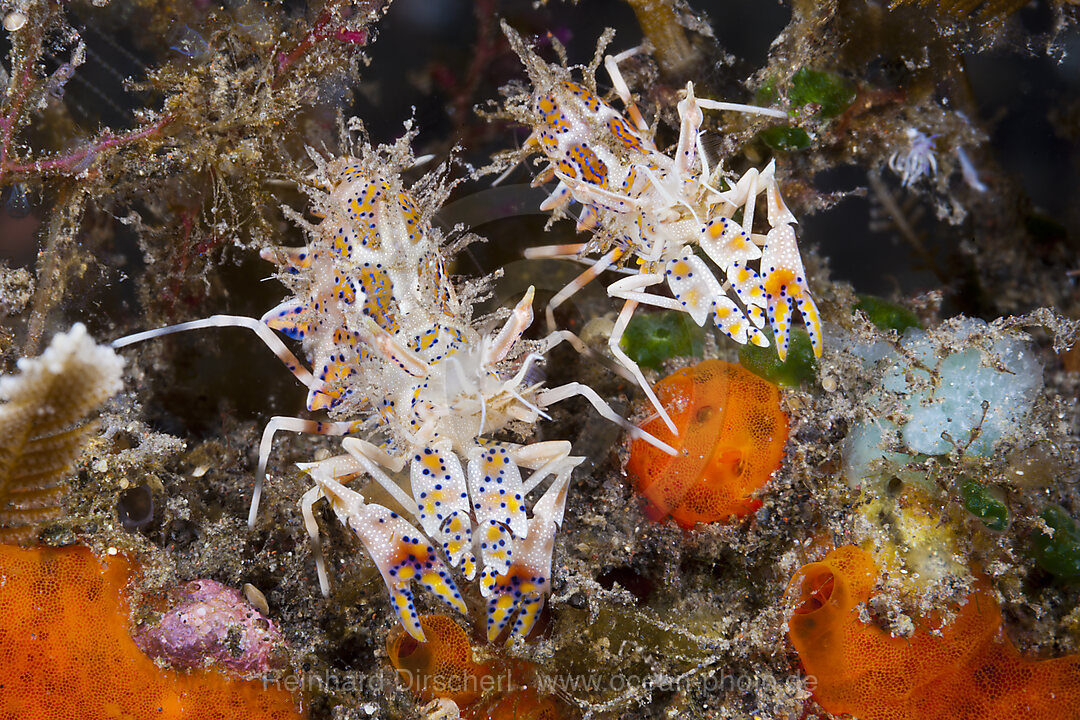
(523, 704)
(731, 438)
(65, 651)
(966, 669)
(440, 667)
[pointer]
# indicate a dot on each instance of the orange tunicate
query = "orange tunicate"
(441, 667)
(731, 439)
(966, 669)
(65, 651)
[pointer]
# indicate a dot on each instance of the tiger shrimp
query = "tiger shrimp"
(417, 387)
(648, 211)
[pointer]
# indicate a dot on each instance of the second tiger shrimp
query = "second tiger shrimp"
(649, 211)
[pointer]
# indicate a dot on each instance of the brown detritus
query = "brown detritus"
(16, 288)
(660, 23)
(986, 11)
(59, 261)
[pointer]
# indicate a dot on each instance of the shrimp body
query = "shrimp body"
(420, 389)
(665, 218)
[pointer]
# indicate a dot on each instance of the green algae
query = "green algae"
(979, 502)
(785, 138)
(830, 92)
(887, 315)
(1059, 553)
(797, 368)
(651, 339)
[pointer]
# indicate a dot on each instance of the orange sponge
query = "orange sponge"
(522, 704)
(731, 439)
(65, 651)
(443, 667)
(966, 669)
(440, 667)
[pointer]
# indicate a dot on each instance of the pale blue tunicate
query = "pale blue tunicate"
(866, 462)
(967, 379)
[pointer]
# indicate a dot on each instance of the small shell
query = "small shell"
(256, 598)
(14, 21)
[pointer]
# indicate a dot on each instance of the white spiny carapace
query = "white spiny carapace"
(419, 387)
(649, 211)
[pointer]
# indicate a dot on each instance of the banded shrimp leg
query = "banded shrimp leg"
(264, 333)
(698, 293)
(402, 553)
(629, 369)
(696, 290)
(525, 581)
(783, 284)
(550, 396)
(782, 281)
(572, 253)
(515, 326)
(291, 424)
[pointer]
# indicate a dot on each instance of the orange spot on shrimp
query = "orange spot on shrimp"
(411, 214)
(592, 102)
(380, 303)
(548, 143)
(335, 372)
(593, 169)
(967, 668)
(352, 172)
(780, 282)
(324, 399)
(731, 438)
(566, 167)
(549, 111)
(625, 135)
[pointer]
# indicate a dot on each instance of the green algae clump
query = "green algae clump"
(979, 502)
(1059, 554)
(799, 366)
(654, 338)
(785, 138)
(830, 92)
(887, 315)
